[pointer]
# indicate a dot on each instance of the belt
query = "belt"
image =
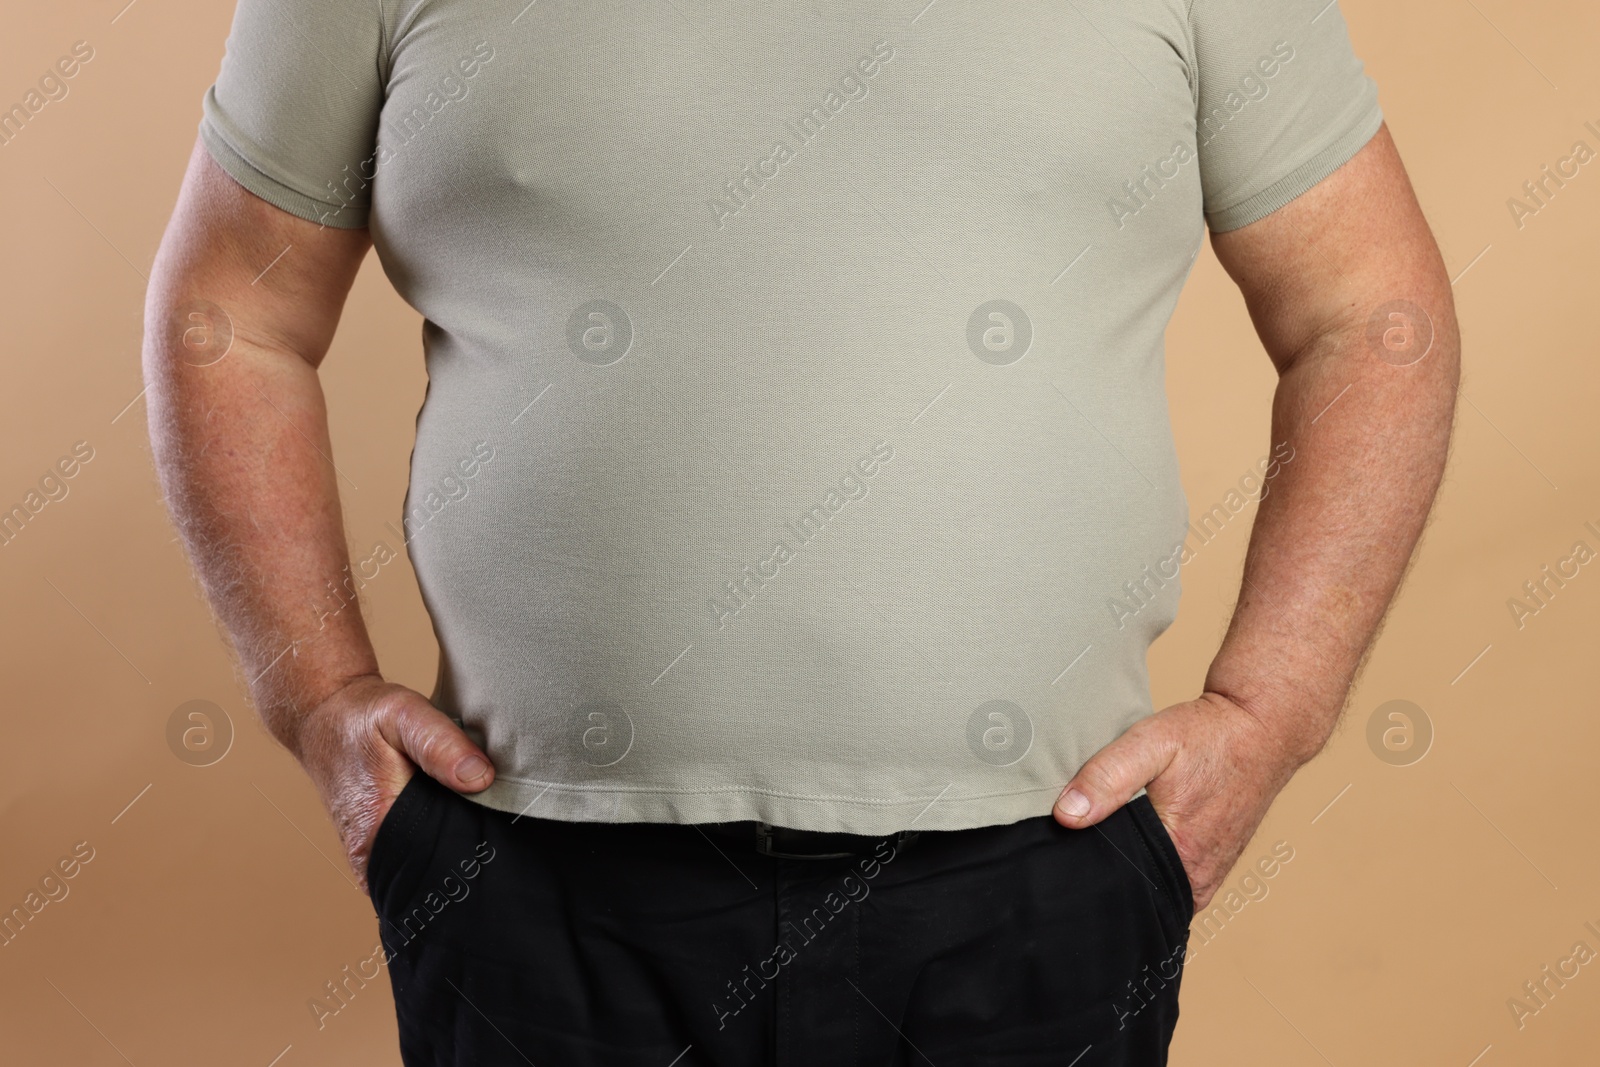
(787, 843)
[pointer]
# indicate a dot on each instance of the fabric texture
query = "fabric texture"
(796, 445)
(514, 940)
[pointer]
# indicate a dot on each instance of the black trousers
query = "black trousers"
(516, 940)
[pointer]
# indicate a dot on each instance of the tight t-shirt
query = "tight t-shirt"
(796, 444)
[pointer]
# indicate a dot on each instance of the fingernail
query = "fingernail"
(1074, 803)
(472, 768)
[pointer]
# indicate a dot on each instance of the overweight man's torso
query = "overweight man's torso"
(796, 445)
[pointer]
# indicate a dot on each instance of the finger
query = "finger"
(436, 744)
(1114, 774)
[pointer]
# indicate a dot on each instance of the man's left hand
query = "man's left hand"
(1211, 769)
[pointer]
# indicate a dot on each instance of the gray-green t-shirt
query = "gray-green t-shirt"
(796, 444)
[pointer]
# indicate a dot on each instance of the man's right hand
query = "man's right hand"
(362, 745)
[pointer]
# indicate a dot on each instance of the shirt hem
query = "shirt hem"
(938, 810)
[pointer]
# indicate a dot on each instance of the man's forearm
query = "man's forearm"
(1334, 533)
(245, 462)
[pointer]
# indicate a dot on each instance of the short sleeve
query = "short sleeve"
(293, 115)
(1281, 102)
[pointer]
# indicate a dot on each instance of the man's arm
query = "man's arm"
(242, 306)
(1370, 427)
(1332, 541)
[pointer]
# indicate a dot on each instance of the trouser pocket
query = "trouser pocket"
(1165, 852)
(396, 835)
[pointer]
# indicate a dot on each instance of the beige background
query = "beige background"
(1419, 899)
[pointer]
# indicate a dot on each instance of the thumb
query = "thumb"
(1114, 774)
(436, 744)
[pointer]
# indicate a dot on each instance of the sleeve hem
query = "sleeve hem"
(273, 191)
(1299, 180)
